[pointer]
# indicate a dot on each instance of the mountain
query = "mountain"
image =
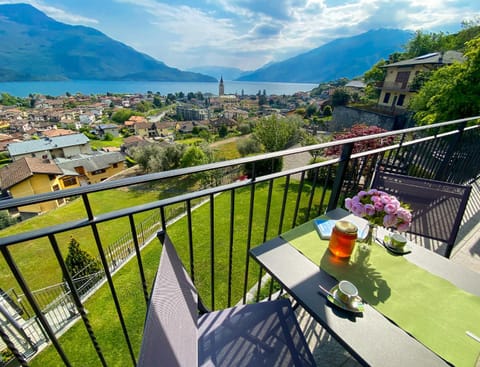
(36, 47)
(220, 71)
(344, 57)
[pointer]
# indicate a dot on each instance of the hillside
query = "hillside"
(344, 57)
(220, 71)
(62, 51)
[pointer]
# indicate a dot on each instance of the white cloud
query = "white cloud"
(56, 13)
(249, 33)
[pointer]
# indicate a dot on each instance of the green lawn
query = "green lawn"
(101, 311)
(190, 141)
(99, 144)
(227, 150)
(36, 259)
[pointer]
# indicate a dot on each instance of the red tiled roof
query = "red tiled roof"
(57, 132)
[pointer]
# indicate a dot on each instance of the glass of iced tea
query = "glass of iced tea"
(342, 240)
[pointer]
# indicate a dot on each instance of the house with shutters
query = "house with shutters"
(398, 86)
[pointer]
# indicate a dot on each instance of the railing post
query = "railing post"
(452, 148)
(342, 168)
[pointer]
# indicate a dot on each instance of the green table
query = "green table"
(428, 296)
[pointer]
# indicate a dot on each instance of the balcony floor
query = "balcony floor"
(328, 352)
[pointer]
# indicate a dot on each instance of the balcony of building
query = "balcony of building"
(215, 213)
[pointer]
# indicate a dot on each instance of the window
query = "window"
(98, 172)
(115, 165)
(386, 98)
(402, 78)
(401, 99)
(69, 181)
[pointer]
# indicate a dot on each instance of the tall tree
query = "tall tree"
(80, 263)
(276, 133)
(340, 97)
(423, 43)
(452, 91)
(194, 156)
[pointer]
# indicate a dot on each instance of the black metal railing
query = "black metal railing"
(214, 225)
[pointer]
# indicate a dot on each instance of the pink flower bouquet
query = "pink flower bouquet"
(380, 208)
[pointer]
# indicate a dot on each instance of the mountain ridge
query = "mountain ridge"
(63, 52)
(347, 57)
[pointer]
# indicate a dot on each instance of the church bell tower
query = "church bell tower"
(221, 88)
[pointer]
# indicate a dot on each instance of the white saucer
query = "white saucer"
(396, 250)
(333, 298)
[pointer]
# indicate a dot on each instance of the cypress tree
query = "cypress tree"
(80, 263)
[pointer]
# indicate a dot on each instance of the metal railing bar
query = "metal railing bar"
(284, 204)
(33, 303)
(190, 240)
(249, 240)
(212, 250)
(314, 173)
(139, 258)
(426, 160)
(76, 299)
(230, 247)
(12, 347)
(129, 181)
(299, 197)
(88, 208)
(328, 177)
(7, 240)
(341, 170)
(270, 290)
(113, 292)
(267, 210)
(38, 233)
(259, 284)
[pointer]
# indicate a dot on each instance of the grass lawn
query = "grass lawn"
(36, 259)
(99, 144)
(190, 141)
(227, 150)
(127, 281)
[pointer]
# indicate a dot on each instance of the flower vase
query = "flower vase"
(364, 247)
(372, 233)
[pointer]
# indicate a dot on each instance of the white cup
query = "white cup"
(347, 291)
(398, 241)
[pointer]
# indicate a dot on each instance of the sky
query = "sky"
(248, 34)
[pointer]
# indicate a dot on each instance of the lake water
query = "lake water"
(87, 87)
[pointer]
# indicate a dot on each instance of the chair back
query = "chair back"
(437, 206)
(170, 332)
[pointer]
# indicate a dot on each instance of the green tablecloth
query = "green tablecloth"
(433, 310)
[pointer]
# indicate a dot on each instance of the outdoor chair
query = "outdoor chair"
(176, 333)
(437, 206)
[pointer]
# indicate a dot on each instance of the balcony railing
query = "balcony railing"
(215, 221)
(397, 86)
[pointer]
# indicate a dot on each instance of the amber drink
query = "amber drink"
(342, 240)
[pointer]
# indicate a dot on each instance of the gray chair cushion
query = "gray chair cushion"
(170, 333)
(260, 334)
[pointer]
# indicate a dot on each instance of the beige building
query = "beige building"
(93, 168)
(31, 176)
(397, 88)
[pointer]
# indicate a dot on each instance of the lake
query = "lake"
(87, 87)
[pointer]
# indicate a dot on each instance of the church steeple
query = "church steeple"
(221, 88)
